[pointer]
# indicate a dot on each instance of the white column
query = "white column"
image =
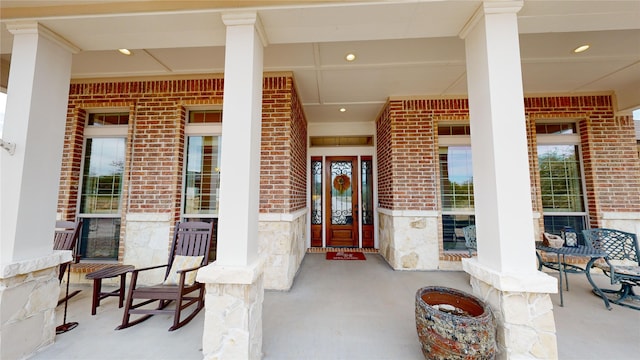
(499, 143)
(35, 120)
(37, 97)
(234, 282)
(505, 272)
(241, 128)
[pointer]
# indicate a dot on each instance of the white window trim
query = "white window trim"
(199, 129)
(566, 139)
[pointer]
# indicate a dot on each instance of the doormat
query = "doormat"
(341, 255)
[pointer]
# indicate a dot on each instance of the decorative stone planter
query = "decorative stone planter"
(454, 325)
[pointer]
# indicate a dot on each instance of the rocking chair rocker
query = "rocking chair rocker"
(189, 252)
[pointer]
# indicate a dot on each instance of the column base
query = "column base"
(29, 292)
(522, 307)
(233, 311)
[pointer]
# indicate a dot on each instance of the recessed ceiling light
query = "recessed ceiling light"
(125, 51)
(350, 57)
(343, 109)
(581, 48)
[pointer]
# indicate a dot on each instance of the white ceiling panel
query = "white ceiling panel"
(627, 78)
(576, 16)
(604, 44)
(307, 84)
(112, 63)
(184, 60)
(385, 52)
(141, 32)
(354, 113)
(376, 84)
(565, 76)
(290, 56)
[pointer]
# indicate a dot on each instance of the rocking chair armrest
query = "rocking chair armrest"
(149, 268)
(182, 273)
(188, 270)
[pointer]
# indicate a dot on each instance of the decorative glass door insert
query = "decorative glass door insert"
(342, 202)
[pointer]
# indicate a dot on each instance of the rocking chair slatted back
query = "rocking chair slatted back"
(191, 239)
(66, 238)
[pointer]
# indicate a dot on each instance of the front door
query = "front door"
(342, 201)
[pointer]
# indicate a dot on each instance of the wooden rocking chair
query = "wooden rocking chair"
(189, 252)
(66, 238)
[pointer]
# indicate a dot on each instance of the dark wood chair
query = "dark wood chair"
(66, 238)
(189, 251)
(622, 265)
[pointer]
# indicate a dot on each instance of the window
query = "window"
(101, 189)
(201, 185)
(561, 185)
(202, 178)
(456, 184)
(202, 168)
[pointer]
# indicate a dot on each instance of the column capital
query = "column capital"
(490, 7)
(33, 27)
(246, 18)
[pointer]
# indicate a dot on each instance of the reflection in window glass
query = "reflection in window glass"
(560, 179)
(108, 119)
(102, 176)
(561, 188)
(100, 238)
(456, 178)
(202, 180)
(456, 188)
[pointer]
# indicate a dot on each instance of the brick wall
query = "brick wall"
(298, 153)
(284, 148)
(155, 141)
(407, 151)
(71, 160)
(383, 149)
(611, 165)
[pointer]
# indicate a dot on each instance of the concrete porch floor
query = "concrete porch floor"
(340, 310)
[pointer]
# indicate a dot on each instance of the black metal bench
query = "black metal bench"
(622, 265)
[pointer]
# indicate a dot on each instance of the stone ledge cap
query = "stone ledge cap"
(225, 274)
(31, 265)
(529, 282)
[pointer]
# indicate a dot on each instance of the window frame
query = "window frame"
(198, 129)
(571, 140)
(102, 132)
(449, 141)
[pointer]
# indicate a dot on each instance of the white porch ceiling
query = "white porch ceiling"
(403, 48)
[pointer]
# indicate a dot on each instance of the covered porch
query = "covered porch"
(341, 310)
(485, 80)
